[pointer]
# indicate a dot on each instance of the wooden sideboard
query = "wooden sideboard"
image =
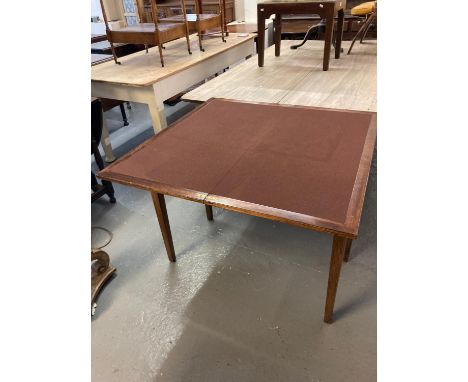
(167, 8)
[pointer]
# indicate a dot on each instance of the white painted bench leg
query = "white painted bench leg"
(106, 143)
(158, 116)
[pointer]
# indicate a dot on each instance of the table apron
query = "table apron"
(143, 94)
(295, 9)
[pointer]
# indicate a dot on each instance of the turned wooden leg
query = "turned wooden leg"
(338, 252)
(347, 249)
(161, 212)
(209, 212)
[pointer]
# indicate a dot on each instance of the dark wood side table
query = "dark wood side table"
(303, 166)
(326, 9)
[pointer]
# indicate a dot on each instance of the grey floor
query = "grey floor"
(245, 300)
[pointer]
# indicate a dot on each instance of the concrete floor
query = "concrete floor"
(245, 300)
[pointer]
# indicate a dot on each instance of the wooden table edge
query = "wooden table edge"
(276, 214)
(152, 186)
(251, 36)
(356, 203)
(348, 229)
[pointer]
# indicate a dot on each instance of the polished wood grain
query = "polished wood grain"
(342, 232)
(161, 212)
(337, 256)
(326, 9)
(347, 250)
(295, 79)
(242, 28)
(356, 203)
(349, 228)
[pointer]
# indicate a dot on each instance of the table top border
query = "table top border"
(347, 229)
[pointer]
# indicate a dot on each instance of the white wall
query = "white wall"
(250, 11)
(114, 9)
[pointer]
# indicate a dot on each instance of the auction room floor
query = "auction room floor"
(243, 302)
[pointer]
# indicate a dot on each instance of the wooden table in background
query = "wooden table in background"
(243, 27)
(307, 167)
(325, 8)
(98, 37)
(294, 79)
(104, 47)
(141, 79)
(97, 59)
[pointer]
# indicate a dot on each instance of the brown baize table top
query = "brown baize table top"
(302, 165)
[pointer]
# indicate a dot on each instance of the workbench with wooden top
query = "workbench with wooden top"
(296, 78)
(140, 77)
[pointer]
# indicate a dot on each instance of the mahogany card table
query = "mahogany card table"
(326, 9)
(303, 166)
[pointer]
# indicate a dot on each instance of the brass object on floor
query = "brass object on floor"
(101, 271)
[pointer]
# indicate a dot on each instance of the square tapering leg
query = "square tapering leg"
(209, 212)
(338, 252)
(339, 33)
(277, 34)
(260, 37)
(161, 212)
(328, 39)
(347, 250)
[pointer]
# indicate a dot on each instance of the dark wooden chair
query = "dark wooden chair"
(106, 187)
(154, 33)
(201, 22)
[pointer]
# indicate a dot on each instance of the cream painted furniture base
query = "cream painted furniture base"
(296, 78)
(140, 77)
